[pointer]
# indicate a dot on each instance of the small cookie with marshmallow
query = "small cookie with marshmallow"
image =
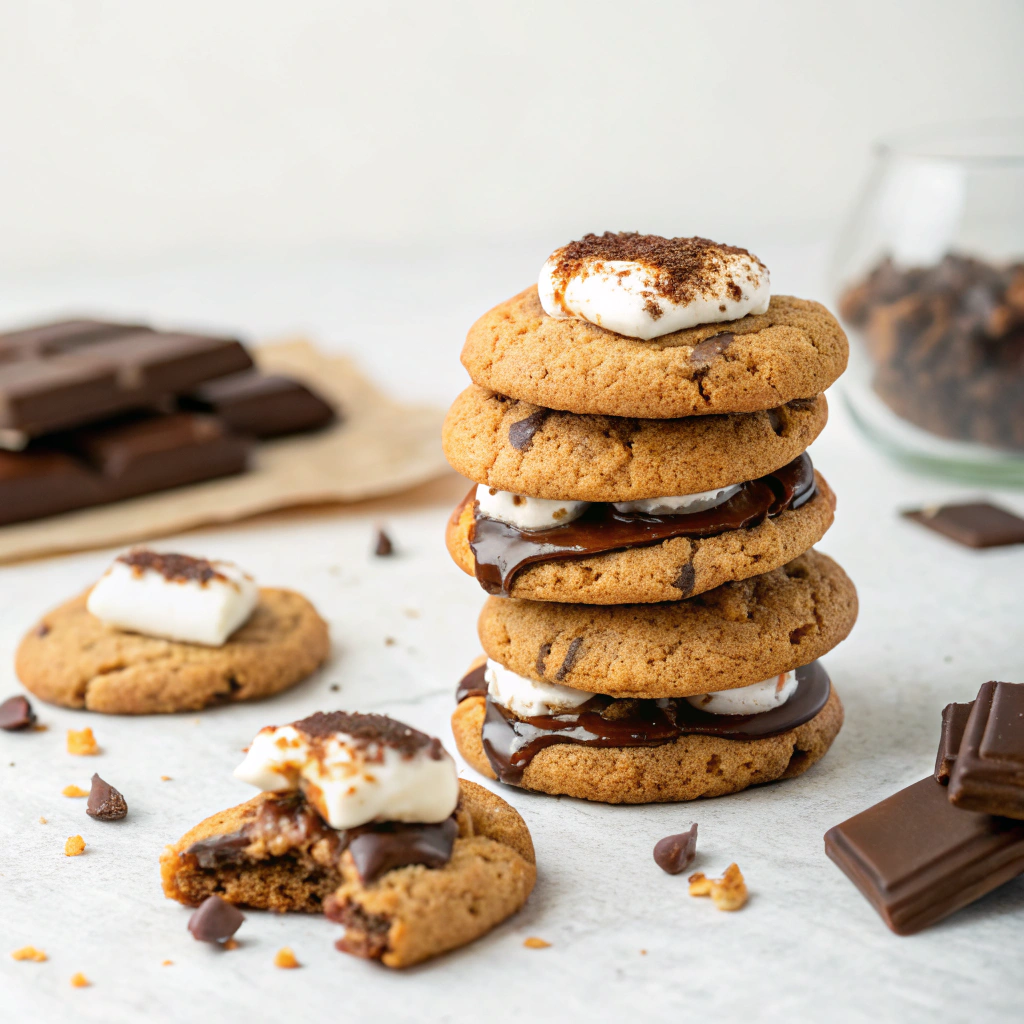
(365, 819)
(166, 632)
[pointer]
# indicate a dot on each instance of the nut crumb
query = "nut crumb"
(728, 892)
(74, 846)
(230, 944)
(285, 958)
(79, 980)
(82, 742)
(534, 943)
(74, 791)
(29, 953)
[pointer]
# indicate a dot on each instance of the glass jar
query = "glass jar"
(929, 284)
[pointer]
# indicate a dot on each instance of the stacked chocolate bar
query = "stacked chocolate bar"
(94, 412)
(929, 850)
(643, 514)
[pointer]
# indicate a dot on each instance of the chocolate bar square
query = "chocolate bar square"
(975, 524)
(954, 718)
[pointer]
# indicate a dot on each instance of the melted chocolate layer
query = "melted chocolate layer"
(501, 550)
(511, 743)
(472, 684)
(376, 849)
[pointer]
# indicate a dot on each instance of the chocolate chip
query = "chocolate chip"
(685, 580)
(334, 687)
(675, 853)
(105, 802)
(16, 713)
(542, 656)
(384, 546)
(42, 629)
(215, 920)
(520, 434)
(570, 658)
(975, 525)
(706, 350)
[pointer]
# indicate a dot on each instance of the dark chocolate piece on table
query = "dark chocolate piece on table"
(377, 849)
(954, 718)
(975, 524)
(988, 774)
(674, 854)
(262, 405)
(105, 802)
(916, 858)
(215, 920)
(16, 713)
(63, 375)
(384, 545)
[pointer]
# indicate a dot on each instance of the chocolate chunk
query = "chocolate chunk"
(975, 525)
(988, 774)
(380, 848)
(384, 546)
(520, 433)
(173, 568)
(675, 853)
(366, 730)
(954, 718)
(778, 424)
(220, 851)
(705, 351)
(571, 655)
(916, 858)
(262, 405)
(105, 802)
(16, 713)
(685, 580)
(215, 920)
(542, 657)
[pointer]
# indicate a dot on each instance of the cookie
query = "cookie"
(688, 768)
(667, 571)
(794, 350)
(411, 914)
(735, 635)
(519, 447)
(71, 658)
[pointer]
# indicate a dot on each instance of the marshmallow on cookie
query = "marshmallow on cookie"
(644, 286)
(173, 596)
(355, 769)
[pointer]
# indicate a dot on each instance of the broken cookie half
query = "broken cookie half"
(362, 818)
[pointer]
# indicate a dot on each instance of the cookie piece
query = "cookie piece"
(668, 571)
(688, 768)
(74, 659)
(411, 914)
(795, 350)
(735, 635)
(518, 447)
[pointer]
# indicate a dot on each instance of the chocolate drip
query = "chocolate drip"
(511, 743)
(377, 849)
(472, 684)
(501, 551)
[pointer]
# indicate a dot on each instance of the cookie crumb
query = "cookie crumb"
(389, 641)
(79, 980)
(39, 727)
(42, 820)
(643, 952)
(167, 963)
(231, 944)
(73, 791)
(29, 953)
(82, 742)
(411, 613)
(535, 943)
(165, 778)
(74, 846)
(284, 957)
(728, 892)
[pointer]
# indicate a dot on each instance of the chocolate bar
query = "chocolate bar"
(916, 858)
(65, 374)
(123, 459)
(975, 525)
(988, 774)
(261, 406)
(954, 718)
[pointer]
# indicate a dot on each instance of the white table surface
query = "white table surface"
(936, 621)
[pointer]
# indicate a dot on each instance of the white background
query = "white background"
(134, 129)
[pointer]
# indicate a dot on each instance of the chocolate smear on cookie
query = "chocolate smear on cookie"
(542, 656)
(570, 658)
(472, 684)
(520, 433)
(368, 730)
(685, 580)
(16, 713)
(674, 854)
(215, 920)
(105, 802)
(704, 351)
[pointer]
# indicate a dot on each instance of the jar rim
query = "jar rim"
(986, 141)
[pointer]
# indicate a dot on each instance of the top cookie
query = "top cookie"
(794, 350)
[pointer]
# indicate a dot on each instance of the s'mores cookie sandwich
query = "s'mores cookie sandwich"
(643, 514)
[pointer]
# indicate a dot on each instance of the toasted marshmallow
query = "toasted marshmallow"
(680, 504)
(526, 513)
(355, 769)
(176, 597)
(528, 698)
(748, 700)
(644, 286)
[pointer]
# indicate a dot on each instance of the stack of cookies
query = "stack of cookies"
(643, 517)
